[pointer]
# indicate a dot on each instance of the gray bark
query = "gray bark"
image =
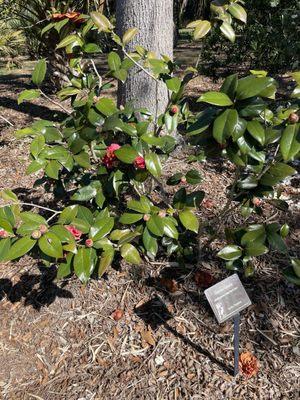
(154, 19)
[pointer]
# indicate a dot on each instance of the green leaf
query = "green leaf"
(68, 215)
(52, 169)
(153, 164)
(291, 277)
(150, 242)
(129, 35)
(155, 225)
(276, 242)
(64, 269)
(85, 193)
(169, 228)
(127, 154)
(296, 266)
(39, 72)
(32, 218)
(179, 199)
(215, 98)
(19, 248)
(255, 249)
(251, 86)
(238, 12)
(84, 263)
(130, 218)
(114, 61)
(91, 48)
(102, 228)
(102, 23)
(106, 106)
(106, 260)
(202, 29)
(130, 254)
(193, 177)
(257, 131)
(83, 159)
(27, 95)
(225, 125)
(51, 245)
(70, 40)
(174, 84)
(9, 195)
(189, 220)
(276, 174)
(227, 31)
(290, 142)
(142, 206)
(230, 252)
(4, 248)
(230, 85)
(37, 145)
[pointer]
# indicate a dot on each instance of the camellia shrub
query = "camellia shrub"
(103, 162)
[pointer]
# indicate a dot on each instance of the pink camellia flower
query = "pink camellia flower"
(139, 163)
(110, 159)
(75, 232)
(3, 234)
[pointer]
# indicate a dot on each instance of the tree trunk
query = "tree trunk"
(154, 19)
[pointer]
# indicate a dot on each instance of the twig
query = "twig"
(6, 120)
(97, 73)
(55, 102)
(95, 158)
(139, 65)
(34, 206)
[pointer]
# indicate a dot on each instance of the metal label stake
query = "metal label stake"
(236, 343)
(227, 299)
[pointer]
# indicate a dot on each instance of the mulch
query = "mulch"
(59, 340)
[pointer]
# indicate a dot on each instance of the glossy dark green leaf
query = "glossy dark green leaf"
(130, 218)
(106, 260)
(290, 142)
(65, 268)
(189, 220)
(193, 177)
(101, 228)
(126, 154)
(216, 98)
(20, 248)
(251, 86)
(169, 228)
(257, 131)
(155, 225)
(4, 248)
(51, 245)
(230, 85)
(153, 164)
(150, 242)
(276, 174)
(230, 252)
(114, 61)
(130, 254)
(84, 263)
(106, 106)
(39, 72)
(238, 12)
(68, 215)
(228, 31)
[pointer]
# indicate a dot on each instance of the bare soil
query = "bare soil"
(58, 340)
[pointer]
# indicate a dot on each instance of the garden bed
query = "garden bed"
(58, 340)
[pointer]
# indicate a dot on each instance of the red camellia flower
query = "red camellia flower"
(174, 110)
(109, 160)
(248, 364)
(72, 16)
(3, 234)
(75, 232)
(139, 163)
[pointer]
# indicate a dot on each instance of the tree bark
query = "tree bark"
(154, 19)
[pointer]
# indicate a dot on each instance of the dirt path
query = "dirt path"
(58, 340)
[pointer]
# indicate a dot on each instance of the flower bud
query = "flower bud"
(43, 229)
(293, 118)
(36, 234)
(146, 217)
(174, 110)
(256, 201)
(3, 234)
(162, 213)
(183, 180)
(89, 243)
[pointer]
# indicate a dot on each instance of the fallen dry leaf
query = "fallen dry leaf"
(117, 314)
(169, 284)
(147, 336)
(204, 279)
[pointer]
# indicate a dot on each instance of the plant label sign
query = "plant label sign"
(227, 298)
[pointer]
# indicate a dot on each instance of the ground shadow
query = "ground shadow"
(155, 313)
(34, 110)
(35, 290)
